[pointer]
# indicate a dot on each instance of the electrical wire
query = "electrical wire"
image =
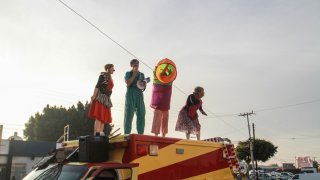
(268, 109)
(215, 116)
(103, 33)
(287, 106)
(107, 36)
(129, 52)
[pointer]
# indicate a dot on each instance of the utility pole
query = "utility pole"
(254, 143)
(247, 114)
(1, 128)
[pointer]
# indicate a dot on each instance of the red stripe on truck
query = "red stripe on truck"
(192, 167)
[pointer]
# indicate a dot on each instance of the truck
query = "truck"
(137, 156)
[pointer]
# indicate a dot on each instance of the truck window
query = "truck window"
(295, 176)
(36, 172)
(70, 172)
(110, 173)
(107, 174)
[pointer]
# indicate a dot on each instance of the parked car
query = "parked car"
(286, 175)
(265, 176)
(262, 176)
(306, 176)
(257, 171)
(275, 175)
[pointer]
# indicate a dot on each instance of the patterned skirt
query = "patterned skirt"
(186, 124)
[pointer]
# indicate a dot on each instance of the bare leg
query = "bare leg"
(156, 124)
(101, 127)
(188, 135)
(96, 127)
(164, 123)
(198, 136)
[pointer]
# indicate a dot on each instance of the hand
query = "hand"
(93, 97)
(204, 113)
(135, 70)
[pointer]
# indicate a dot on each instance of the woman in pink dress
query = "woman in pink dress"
(160, 100)
(188, 121)
(100, 108)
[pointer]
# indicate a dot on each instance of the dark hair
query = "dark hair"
(134, 61)
(198, 89)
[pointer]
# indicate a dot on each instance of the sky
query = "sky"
(260, 56)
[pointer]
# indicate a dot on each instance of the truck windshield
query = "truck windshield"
(53, 171)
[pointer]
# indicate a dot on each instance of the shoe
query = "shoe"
(102, 134)
(97, 134)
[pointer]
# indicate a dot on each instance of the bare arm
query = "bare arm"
(202, 111)
(95, 93)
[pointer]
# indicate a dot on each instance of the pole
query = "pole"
(250, 142)
(1, 128)
(9, 158)
(254, 143)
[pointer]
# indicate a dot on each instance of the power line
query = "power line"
(97, 28)
(129, 52)
(268, 109)
(295, 138)
(125, 49)
(122, 47)
(287, 106)
(103, 33)
(223, 120)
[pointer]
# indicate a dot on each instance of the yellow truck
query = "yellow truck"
(137, 156)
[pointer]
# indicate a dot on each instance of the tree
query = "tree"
(263, 150)
(315, 164)
(49, 125)
(274, 165)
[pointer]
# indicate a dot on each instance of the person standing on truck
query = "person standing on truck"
(134, 99)
(161, 97)
(100, 108)
(188, 121)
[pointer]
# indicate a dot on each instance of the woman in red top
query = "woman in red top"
(100, 100)
(188, 121)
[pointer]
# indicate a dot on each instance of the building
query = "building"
(15, 137)
(17, 156)
(288, 166)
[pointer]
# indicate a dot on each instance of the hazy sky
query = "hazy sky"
(248, 55)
